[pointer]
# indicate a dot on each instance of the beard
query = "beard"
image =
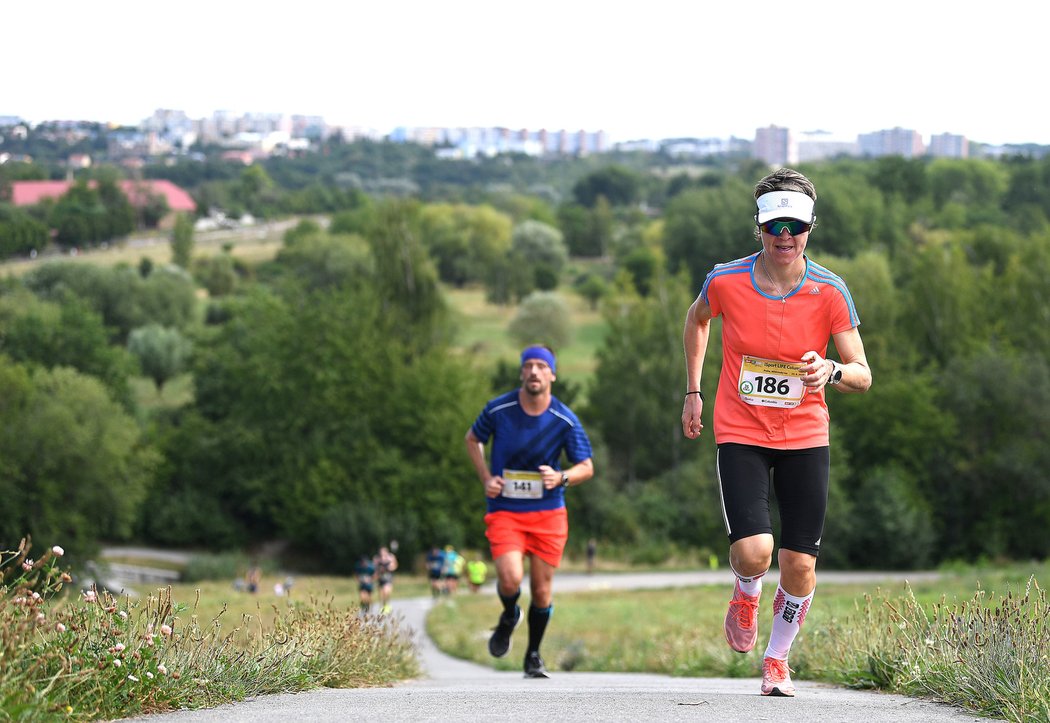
(533, 387)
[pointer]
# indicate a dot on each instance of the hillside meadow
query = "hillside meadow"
(481, 326)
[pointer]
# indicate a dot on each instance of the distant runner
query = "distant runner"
(365, 571)
(435, 570)
(385, 565)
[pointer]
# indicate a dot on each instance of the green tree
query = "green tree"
(79, 217)
(1027, 198)
(637, 395)
(63, 333)
(182, 241)
(151, 208)
(973, 183)
(297, 435)
(73, 469)
(588, 231)
(540, 248)
(217, 274)
(325, 261)
(119, 294)
(120, 214)
(466, 242)
(642, 263)
(994, 488)
(618, 185)
(406, 279)
(183, 506)
(709, 226)
(938, 279)
(897, 175)
(306, 228)
(593, 288)
(543, 318)
(1018, 301)
(256, 191)
(167, 297)
(893, 522)
(852, 216)
(162, 352)
(20, 233)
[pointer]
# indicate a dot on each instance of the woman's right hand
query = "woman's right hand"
(691, 409)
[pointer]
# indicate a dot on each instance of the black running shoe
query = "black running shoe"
(534, 667)
(499, 643)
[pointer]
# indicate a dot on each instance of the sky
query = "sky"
(652, 69)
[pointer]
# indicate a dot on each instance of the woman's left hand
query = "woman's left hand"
(816, 370)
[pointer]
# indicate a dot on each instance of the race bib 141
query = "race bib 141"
(522, 484)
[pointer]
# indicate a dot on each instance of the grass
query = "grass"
(252, 245)
(483, 332)
(986, 651)
(220, 597)
(95, 656)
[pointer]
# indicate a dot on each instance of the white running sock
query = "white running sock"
(788, 614)
(750, 585)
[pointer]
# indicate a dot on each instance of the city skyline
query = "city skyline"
(665, 71)
(801, 134)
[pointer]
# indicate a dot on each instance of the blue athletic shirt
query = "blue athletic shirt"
(523, 442)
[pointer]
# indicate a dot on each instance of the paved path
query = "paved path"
(456, 690)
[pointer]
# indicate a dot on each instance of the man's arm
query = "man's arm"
(476, 451)
(577, 474)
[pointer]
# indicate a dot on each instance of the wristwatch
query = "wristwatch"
(836, 372)
(564, 479)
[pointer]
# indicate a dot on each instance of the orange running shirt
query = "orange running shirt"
(759, 325)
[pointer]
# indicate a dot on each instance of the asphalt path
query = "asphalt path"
(455, 690)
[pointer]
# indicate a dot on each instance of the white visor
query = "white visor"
(784, 204)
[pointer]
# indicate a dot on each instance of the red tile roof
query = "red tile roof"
(28, 193)
(178, 199)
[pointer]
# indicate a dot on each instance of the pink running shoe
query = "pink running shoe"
(742, 620)
(776, 678)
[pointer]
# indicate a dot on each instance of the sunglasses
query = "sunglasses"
(793, 226)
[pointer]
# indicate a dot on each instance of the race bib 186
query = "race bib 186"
(521, 484)
(770, 383)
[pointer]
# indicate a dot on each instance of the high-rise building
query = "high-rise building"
(776, 146)
(819, 145)
(894, 142)
(949, 145)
